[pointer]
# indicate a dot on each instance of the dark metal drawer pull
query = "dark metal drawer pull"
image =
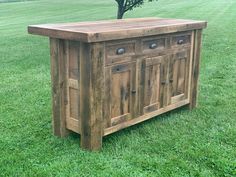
(181, 41)
(153, 46)
(163, 82)
(120, 51)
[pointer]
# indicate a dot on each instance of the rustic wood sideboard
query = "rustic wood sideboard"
(109, 75)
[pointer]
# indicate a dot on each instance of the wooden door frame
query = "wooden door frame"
(133, 93)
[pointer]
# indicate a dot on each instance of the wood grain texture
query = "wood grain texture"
(91, 99)
(58, 52)
(74, 59)
(195, 68)
(113, 30)
(74, 103)
(190, 63)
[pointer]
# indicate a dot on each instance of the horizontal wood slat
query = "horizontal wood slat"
(177, 98)
(73, 83)
(144, 117)
(72, 124)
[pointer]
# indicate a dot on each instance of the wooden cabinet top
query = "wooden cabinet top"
(115, 29)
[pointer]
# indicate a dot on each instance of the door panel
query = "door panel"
(153, 81)
(121, 91)
(179, 76)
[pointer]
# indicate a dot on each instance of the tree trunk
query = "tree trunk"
(120, 12)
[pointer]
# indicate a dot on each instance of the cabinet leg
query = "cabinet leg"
(91, 95)
(195, 69)
(59, 95)
(90, 140)
(192, 106)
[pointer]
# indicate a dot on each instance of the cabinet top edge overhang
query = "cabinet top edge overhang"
(97, 31)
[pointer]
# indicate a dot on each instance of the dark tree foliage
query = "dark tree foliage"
(126, 5)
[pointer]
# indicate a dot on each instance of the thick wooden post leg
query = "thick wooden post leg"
(59, 96)
(92, 86)
(195, 68)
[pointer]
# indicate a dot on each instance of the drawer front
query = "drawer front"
(118, 52)
(181, 39)
(150, 45)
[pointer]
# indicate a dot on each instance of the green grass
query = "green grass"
(201, 142)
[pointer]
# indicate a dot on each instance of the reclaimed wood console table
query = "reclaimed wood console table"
(108, 75)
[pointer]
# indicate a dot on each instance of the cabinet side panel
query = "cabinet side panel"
(74, 78)
(73, 112)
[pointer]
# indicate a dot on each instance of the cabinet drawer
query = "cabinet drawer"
(117, 52)
(182, 54)
(150, 45)
(181, 39)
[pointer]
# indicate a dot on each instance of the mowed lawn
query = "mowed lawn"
(201, 142)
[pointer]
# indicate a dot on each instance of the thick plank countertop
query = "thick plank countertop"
(115, 29)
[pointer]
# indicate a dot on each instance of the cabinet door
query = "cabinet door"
(179, 77)
(120, 93)
(154, 74)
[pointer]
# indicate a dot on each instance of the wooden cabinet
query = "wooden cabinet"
(110, 75)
